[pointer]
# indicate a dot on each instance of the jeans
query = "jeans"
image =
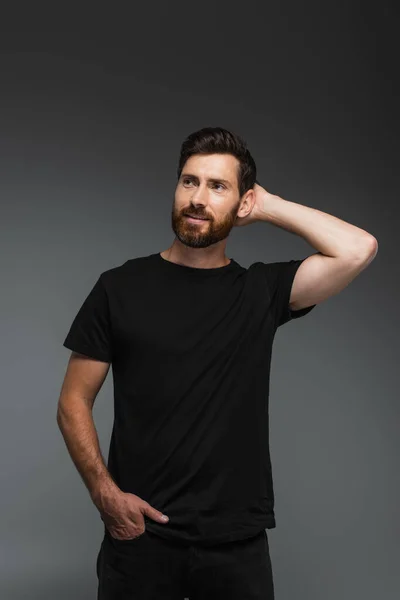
(150, 567)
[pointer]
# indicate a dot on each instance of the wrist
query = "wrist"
(104, 490)
(267, 206)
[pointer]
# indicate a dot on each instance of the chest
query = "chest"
(197, 319)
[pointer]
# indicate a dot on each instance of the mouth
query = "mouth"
(195, 218)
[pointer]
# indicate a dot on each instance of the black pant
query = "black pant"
(150, 567)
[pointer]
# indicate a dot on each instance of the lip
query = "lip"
(195, 219)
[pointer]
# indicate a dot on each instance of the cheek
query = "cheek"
(182, 199)
(178, 204)
(220, 207)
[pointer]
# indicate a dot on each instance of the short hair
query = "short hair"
(216, 140)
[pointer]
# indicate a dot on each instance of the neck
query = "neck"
(202, 258)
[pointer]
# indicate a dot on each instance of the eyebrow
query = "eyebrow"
(214, 179)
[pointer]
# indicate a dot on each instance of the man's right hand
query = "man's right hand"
(123, 514)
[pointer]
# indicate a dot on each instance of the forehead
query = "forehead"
(212, 166)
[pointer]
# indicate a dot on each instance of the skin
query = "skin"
(202, 192)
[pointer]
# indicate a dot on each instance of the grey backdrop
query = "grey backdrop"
(91, 127)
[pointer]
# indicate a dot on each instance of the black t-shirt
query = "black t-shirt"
(190, 351)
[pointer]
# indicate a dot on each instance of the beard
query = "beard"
(205, 233)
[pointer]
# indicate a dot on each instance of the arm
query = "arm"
(343, 250)
(82, 382)
(122, 513)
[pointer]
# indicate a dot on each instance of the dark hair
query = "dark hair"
(216, 140)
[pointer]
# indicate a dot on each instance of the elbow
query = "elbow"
(371, 249)
(366, 252)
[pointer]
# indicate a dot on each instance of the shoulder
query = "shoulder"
(123, 273)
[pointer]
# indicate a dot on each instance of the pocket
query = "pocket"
(126, 540)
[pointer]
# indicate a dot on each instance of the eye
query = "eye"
(220, 184)
(185, 181)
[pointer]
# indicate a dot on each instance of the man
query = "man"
(188, 494)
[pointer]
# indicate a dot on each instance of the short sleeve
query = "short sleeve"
(279, 278)
(90, 332)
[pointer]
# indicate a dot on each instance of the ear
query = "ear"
(247, 202)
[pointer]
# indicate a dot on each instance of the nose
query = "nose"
(199, 196)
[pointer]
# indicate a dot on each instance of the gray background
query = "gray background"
(91, 126)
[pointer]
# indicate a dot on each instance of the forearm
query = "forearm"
(75, 421)
(324, 232)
